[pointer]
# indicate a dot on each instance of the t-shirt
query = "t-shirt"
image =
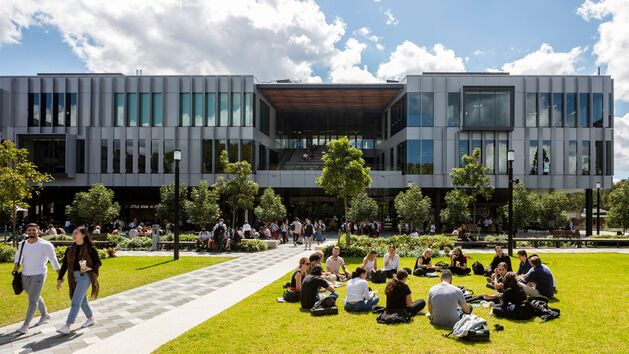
(461, 259)
(35, 256)
(397, 298)
(423, 261)
(204, 235)
(297, 229)
(246, 227)
(498, 259)
(393, 264)
(357, 290)
(444, 299)
(310, 289)
(334, 266)
(543, 280)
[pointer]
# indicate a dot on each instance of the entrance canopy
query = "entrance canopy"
(330, 97)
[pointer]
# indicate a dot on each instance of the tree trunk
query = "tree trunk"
(348, 232)
(13, 222)
(234, 211)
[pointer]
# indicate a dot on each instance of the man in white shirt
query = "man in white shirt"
(246, 229)
(33, 254)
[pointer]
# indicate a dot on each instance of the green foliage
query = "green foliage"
(202, 208)
(412, 206)
(18, 176)
(618, 214)
(238, 191)
(57, 238)
(60, 252)
(602, 236)
(170, 237)
(7, 253)
(362, 208)
(457, 210)
(166, 208)
(138, 243)
(114, 240)
(525, 207)
(576, 201)
(473, 178)
(102, 253)
(271, 208)
(251, 246)
(406, 246)
(96, 206)
(552, 210)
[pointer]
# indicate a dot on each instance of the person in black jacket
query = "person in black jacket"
(513, 302)
(498, 258)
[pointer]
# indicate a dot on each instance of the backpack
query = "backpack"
(478, 268)
(441, 265)
(220, 230)
(292, 226)
(469, 294)
(291, 296)
(470, 328)
(400, 316)
(325, 306)
(379, 277)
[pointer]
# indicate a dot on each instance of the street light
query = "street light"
(510, 158)
(177, 158)
(598, 208)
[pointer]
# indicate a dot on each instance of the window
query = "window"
(154, 156)
(427, 161)
(34, 109)
(210, 109)
(184, 110)
(46, 109)
(428, 107)
(59, 114)
(141, 156)
(454, 109)
(572, 157)
(128, 161)
(557, 109)
(144, 110)
(236, 110)
(490, 147)
(488, 109)
(409, 153)
(609, 159)
(248, 109)
(546, 157)
(598, 157)
(571, 110)
(47, 153)
(169, 156)
(71, 110)
(584, 110)
(531, 109)
(402, 157)
(80, 156)
(247, 151)
(265, 116)
(223, 118)
(544, 109)
(197, 104)
(597, 110)
(221, 145)
(532, 157)
(398, 115)
(232, 152)
(116, 162)
(476, 144)
(103, 156)
(132, 110)
(610, 110)
(391, 164)
(119, 109)
(464, 149)
(503, 146)
(420, 109)
(157, 110)
(585, 157)
(207, 157)
(261, 157)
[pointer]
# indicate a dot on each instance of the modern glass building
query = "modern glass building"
(122, 130)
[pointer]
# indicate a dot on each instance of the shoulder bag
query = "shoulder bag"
(17, 276)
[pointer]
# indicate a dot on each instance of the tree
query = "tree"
(344, 173)
(362, 208)
(412, 206)
(270, 208)
(202, 208)
(473, 177)
(18, 175)
(96, 206)
(239, 192)
(552, 210)
(618, 199)
(165, 210)
(524, 207)
(457, 210)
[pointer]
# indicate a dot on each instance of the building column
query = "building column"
(588, 212)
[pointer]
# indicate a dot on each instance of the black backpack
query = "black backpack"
(379, 277)
(291, 296)
(219, 232)
(325, 306)
(478, 268)
(400, 316)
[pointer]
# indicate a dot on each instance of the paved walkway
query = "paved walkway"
(141, 319)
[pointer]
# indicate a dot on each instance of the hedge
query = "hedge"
(406, 246)
(58, 238)
(7, 253)
(251, 246)
(138, 243)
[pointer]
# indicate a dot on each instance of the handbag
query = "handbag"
(17, 276)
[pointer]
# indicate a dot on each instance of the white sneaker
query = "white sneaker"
(64, 330)
(88, 323)
(43, 320)
(22, 330)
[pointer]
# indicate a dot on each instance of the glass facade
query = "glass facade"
(609, 158)
(132, 109)
(420, 109)
(184, 110)
(585, 157)
(249, 109)
(47, 111)
(119, 109)
(154, 156)
(533, 157)
(207, 156)
(503, 148)
(59, 116)
(610, 111)
(210, 109)
(557, 115)
(221, 145)
(398, 115)
(544, 109)
(416, 156)
(236, 110)
(141, 156)
(169, 155)
(546, 154)
(157, 110)
(262, 157)
(572, 157)
(265, 118)
(488, 109)
(464, 149)
(597, 110)
(116, 156)
(145, 118)
(80, 156)
(128, 156)
(223, 118)
(584, 110)
(104, 149)
(34, 109)
(489, 156)
(571, 110)
(246, 152)
(598, 157)
(454, 109)
(197, 104)
(531, 109)
(232, 152)
(71, 109)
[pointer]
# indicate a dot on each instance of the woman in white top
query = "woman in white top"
(359, 298)
(391, 262)
(370, 262)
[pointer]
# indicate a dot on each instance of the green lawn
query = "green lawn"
(116, 275)
(592, 294)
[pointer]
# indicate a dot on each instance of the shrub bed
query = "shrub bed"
(7, 253)
(405, 245)
(251, 246)
(138, 243)
(182, 238)
(609, 236)
(57, 238)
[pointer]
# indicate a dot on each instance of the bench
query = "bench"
(565, 233)
(595, 242)
(98, 244)
(272, 243)
(476, 244)
(557, 241)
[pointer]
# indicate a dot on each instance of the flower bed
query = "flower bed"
(406, 246)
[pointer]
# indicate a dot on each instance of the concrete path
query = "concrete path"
(142, 319)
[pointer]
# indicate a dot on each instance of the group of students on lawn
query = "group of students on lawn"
(446, 302)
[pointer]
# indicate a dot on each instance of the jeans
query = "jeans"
(33, 285)
(79, 299)
(362, 306)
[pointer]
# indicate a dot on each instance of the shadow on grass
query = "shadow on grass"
(155, 265)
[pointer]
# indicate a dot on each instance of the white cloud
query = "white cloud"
(621, 146)
(344, 65)
(545, 61)
(613, 44)
(368, 35)
(479, 52)
(391, 20)
(276, 39)
(409, 58)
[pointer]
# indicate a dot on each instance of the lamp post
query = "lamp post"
(177, 158)
(510, 158)
(598, 208)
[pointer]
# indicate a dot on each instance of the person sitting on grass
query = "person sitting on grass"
(423, 264)
(299, 275)
(539, 281)
(370, 263)
(496, 282)
(309, 293)
(525, 265)
(458, 262)
(500, 257)
(334, 263)
(399, 296)
(446, 302)
(391, 262)
(513, 302)
(204, 239)
(359, 298)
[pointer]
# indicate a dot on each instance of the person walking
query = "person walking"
(308, 234)
(82, 262)
(33, 254)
